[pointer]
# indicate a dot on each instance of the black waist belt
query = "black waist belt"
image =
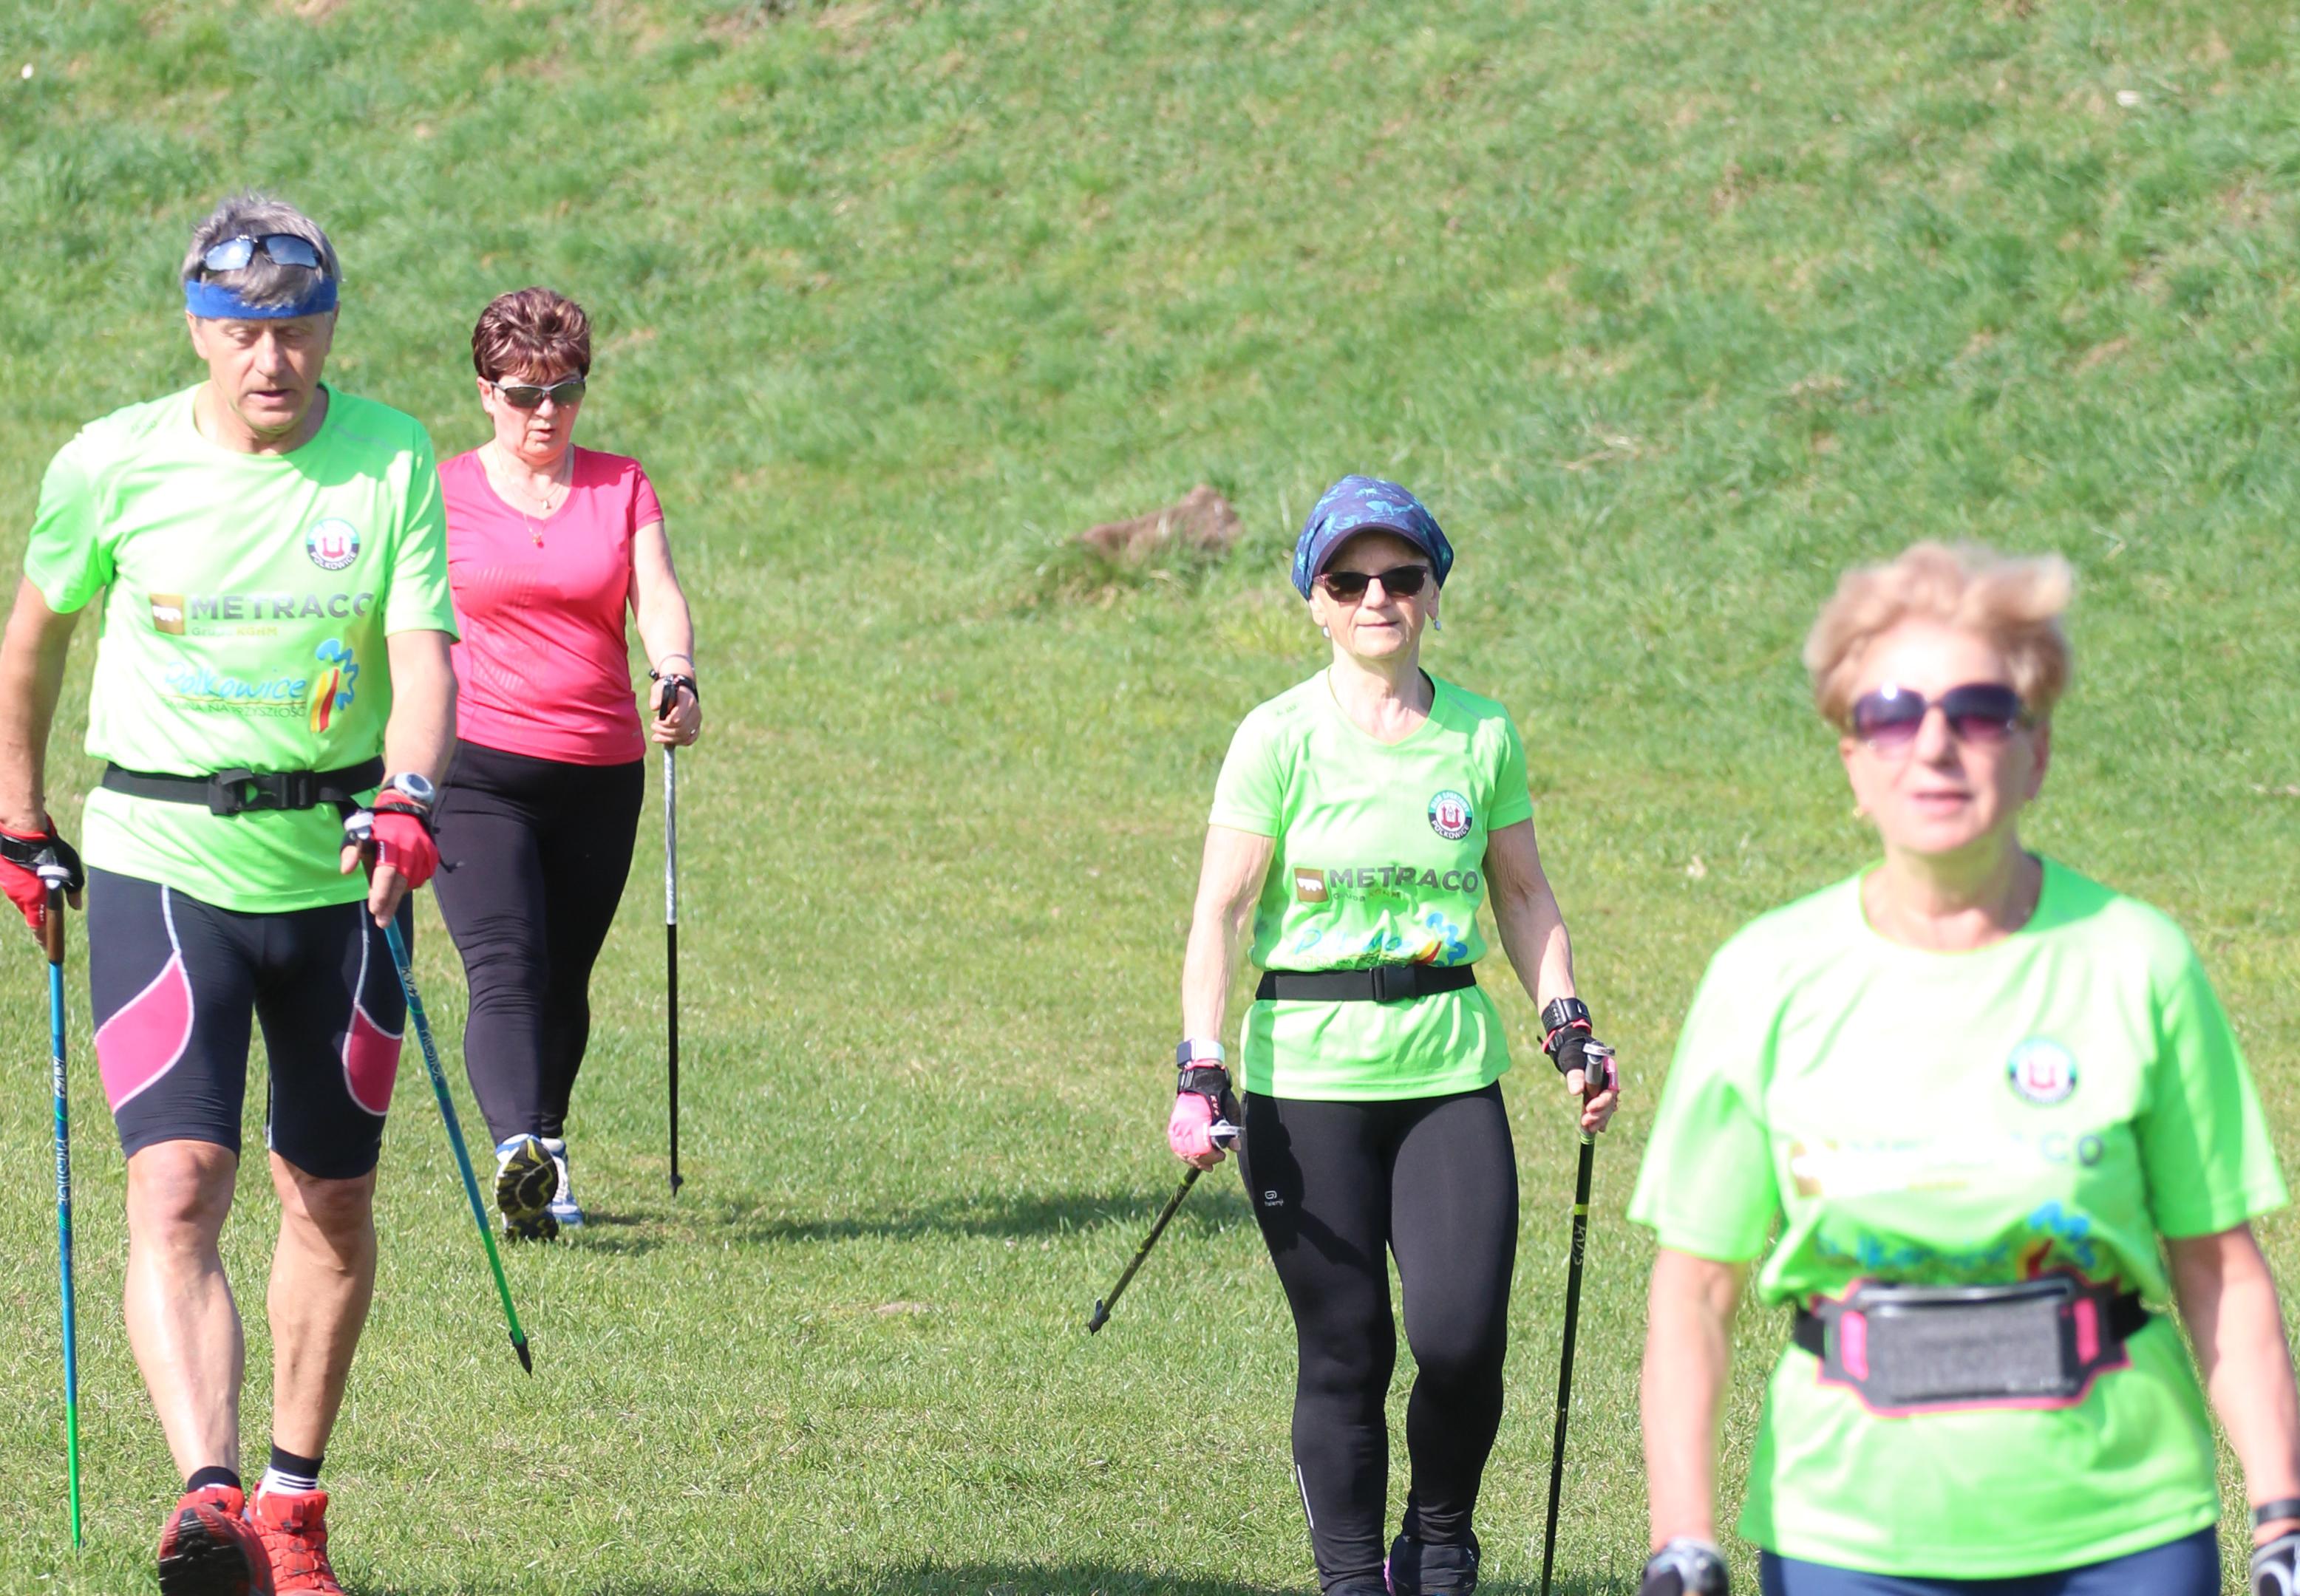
(236, 792)
(1907, 1348)
(1383, 984)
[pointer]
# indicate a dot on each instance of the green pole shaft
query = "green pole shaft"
(400, 962)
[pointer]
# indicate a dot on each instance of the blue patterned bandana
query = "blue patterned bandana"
(1366, 503)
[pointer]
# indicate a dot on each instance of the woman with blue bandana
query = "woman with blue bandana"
(1359, 822)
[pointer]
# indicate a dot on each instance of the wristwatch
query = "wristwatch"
(416, 789)
(1199, 1050)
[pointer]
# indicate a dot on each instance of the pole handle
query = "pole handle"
(55, 878)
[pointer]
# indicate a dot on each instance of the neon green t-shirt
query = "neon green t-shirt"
(249, 596)
(1380, 859)
(2056, 1100)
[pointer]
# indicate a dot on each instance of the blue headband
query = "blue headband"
(214, 302)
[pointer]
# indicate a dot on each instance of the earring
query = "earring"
(1325, 631)
(1435, 624)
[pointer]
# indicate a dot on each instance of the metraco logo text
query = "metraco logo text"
(245, 614)
(1396, 878)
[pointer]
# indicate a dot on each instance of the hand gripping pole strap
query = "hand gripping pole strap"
(237, 791)
(1383, 984)
(1912, 1348)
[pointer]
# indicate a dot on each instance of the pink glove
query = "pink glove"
(402, 838)
(1189, 1128)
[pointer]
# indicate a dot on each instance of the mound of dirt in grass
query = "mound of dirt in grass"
(1204, 525)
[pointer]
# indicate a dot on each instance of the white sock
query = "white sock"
(275, 1480)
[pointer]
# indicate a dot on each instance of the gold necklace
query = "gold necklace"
(533, 531)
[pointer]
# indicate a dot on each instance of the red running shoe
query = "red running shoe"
(294, 1524)
(208, 1549)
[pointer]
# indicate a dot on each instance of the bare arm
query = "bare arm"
(1532, 933)
(2227, 1298)
(417, 740)
(1688, 1355)
(1229, 880)
(666, 631)
(31, 680)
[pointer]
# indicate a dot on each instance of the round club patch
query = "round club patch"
(332, 544)
(2043, 1071)
(1449, 815)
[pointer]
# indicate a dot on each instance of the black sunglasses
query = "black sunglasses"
(529, 395)
(283, 249)
(1977, 712)
(1399, 581)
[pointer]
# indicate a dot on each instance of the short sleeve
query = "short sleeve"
(646, 509)
(1250, 793)
(418, 599)
(1512, 802)
(1706, 1185)
(2203, 1139)
(69, 557)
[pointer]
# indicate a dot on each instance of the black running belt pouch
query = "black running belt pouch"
(1915, 1349)
(1381, 983)
(239, 792)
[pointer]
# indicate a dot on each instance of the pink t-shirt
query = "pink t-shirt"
(543, 668)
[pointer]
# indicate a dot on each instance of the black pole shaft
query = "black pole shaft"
(671, 954)
(1103, 1305)
(1565, 1353)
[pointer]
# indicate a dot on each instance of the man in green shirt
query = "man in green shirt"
(273, 560)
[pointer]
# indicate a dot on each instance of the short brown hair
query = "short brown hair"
(533, 330)
(2016, 603)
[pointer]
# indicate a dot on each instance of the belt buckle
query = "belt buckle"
(295, 789)
(227, 791)
(1382, 991)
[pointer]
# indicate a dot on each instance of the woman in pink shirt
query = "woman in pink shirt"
(548, 547)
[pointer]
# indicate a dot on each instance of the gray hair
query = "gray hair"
(262, 281)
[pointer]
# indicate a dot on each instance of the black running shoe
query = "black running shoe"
(526, 1181)
(1418, 1568)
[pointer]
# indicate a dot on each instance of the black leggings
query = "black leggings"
(533, 854)
(1334, 1185)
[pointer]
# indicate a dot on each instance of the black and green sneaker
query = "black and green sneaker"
(526, 1181)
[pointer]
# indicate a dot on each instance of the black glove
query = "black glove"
(1212, 1082)
(1685, 1568)
(1569, 1042)
(2276, 1567)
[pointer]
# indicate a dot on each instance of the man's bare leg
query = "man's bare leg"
(322, 1280)
(182, 1322)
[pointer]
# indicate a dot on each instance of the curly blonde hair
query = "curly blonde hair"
(2016, 603)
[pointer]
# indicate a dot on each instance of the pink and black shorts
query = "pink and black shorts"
(178, 986)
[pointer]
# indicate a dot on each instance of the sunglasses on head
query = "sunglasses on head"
(1976, 712)
(1399, 581)
(530, 395)
(283, 249)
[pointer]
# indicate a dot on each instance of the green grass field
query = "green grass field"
(1669, 309)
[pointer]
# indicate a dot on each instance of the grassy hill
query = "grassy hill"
(1670, 310)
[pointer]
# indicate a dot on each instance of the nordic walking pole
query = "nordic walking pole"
(52, 930)
(671, 913)
(1223, 1135)
(357, 829)
(1596, 1051)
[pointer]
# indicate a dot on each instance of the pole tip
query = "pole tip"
(677, 1181)
(1097, 1319)
(525, 1361)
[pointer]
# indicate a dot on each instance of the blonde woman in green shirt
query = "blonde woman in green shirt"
(1975, 1120)
(1359, 821)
